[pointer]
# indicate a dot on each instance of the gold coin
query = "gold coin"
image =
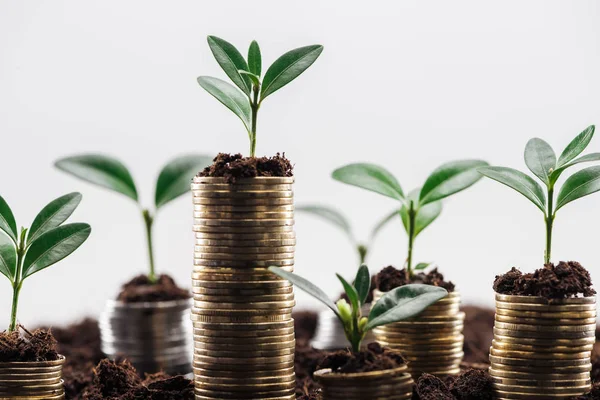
(440, 342)
(243, 223)
(242, 264)
(244, 299)
(254, 380)
(209, 208)
(245, 361)
(250, 334)
(208, 187)
(538, 377)
(415, 353)
(543, 334)
(498, 344)
(240, 312)
(538, 356)
(538, 321)
(244, 202)
(407, 348)
(245, 354)
(551, 370)
(539, 363)
(280, 373)
(545, 341)
(546, 315)
(261, 342)
(241, 318)
(274, 284)
(244, 250)
(219, 215)
(242, 194)
(268, 395)
(503, 395)
(542, 383)
(248, 328)
(391, 335)
(233, 277)
(244, 229)
(272, 305)
(260, 245)
(236, 272)
(241, 291)
(460, 317)
(246, 236)
(255, 180)
(545, 308)
(545, 328)
(574, 390)
(243, 389)
(243, 257)
(542, 300)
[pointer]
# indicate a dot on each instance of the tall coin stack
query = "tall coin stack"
(242, 315)
(432, 342)
(542, 348)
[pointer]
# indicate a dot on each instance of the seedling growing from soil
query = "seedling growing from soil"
(173, 181)
(396, 305)
(338, 219)
(541, 161)
(422, 206)
(45, 243)
(252, 88)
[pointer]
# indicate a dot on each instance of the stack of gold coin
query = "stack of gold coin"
(242, 315)
(542, 348)
(432, 342)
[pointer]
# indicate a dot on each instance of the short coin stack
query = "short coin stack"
(243, 328)
(32, 380)
(432, 342)
(541, 347)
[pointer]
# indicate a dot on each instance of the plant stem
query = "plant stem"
(255, 106)
(148, 219)
(18, 283)
(411, 238)
(549, 225)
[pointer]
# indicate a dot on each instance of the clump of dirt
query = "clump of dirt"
(478, 332)
(373, 358)
(474, 384)
(305, 325)
(24, 346)
(312, 396)
(390, 278)
(596, 359)
(430, 387)
(567, 279)
(233, 167)
(141, 289)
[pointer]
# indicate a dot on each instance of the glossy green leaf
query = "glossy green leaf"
(587, 158)
(8, 257)
(288, 67)
(540, 159)
(328, 214)
(576, 146)
(381, 224)
(254, 78)
(306, 286)
(254, 59)
(421, 266)
(450, 178)
(53, 246)
(229, 96)
(578, 185)
(425, 215)
(176, 177)
(101, 170)
(7, 220)
(350, 292)
(402, 303)
(231, 60)
(370, 177)
(362, 283)
(518, 181)
(54, 214)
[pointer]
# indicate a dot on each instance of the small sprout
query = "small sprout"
(423, 205)
(173, 181)
(45, 243)
(246, 99)
(541, 161)
(396, 305)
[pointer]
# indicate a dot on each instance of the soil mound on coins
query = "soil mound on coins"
(373, 358)
(141, 289)
(235, 166)
(22, 345)
(390, 278)
(473, 384)
(567, 279)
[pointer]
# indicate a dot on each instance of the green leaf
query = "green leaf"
(329, 214)
(8, 258)
(351, 293)
(229, 96)
(53, 246)
(231, 60)
(540, 159)
(254, 59)
(381, 224)
(362, 283)
(576, 146)
(424, 215)
(580, 184)
(288, 67)
(421, 266)
(402, 303)
(101, 170)
(558, 171)
(518, 181)
(370, 177)
(54, 214)
(7, 220)
(254, 78)
(175, 177)
(308, 287)
(450, 178)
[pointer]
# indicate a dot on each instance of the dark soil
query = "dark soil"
(478, 332)
(236, 166)
(305, 325)
(430, 387)
(596, 359)
(306, 361)
(594, 394)
(567, 279)
(312, 396)
(473, 384)
(390, 278)
(141, 289)
(373, 358)
(22, 345)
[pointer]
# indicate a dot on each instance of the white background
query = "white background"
(407, 84)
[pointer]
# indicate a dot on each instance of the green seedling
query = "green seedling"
(173, 181)
(423, 205)
(252, 88)
(337, 219)
(542, 162)
(45, 243)
(396, 305)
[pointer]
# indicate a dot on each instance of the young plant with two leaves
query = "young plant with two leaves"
(423, 205)
(252, 87)
(543, 163)
(173, 181)
(46, 242)
(396, 305)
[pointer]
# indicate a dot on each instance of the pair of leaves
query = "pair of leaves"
(424, 215)
(173, 180)
(359, 290)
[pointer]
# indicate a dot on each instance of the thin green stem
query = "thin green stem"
(148, 219)
(412, 214)
(549, 225)
(255, 106)
(18, 282)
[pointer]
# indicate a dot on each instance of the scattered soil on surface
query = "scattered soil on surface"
(390, 278)
(305, 325)
(594, 394)
(372, 358)
(312, 396)
(567, 279)
(478, 332)
(474, 384)
(22, 345)
(431, 387)
(233, 167)
(141, 289)
(306, 361)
